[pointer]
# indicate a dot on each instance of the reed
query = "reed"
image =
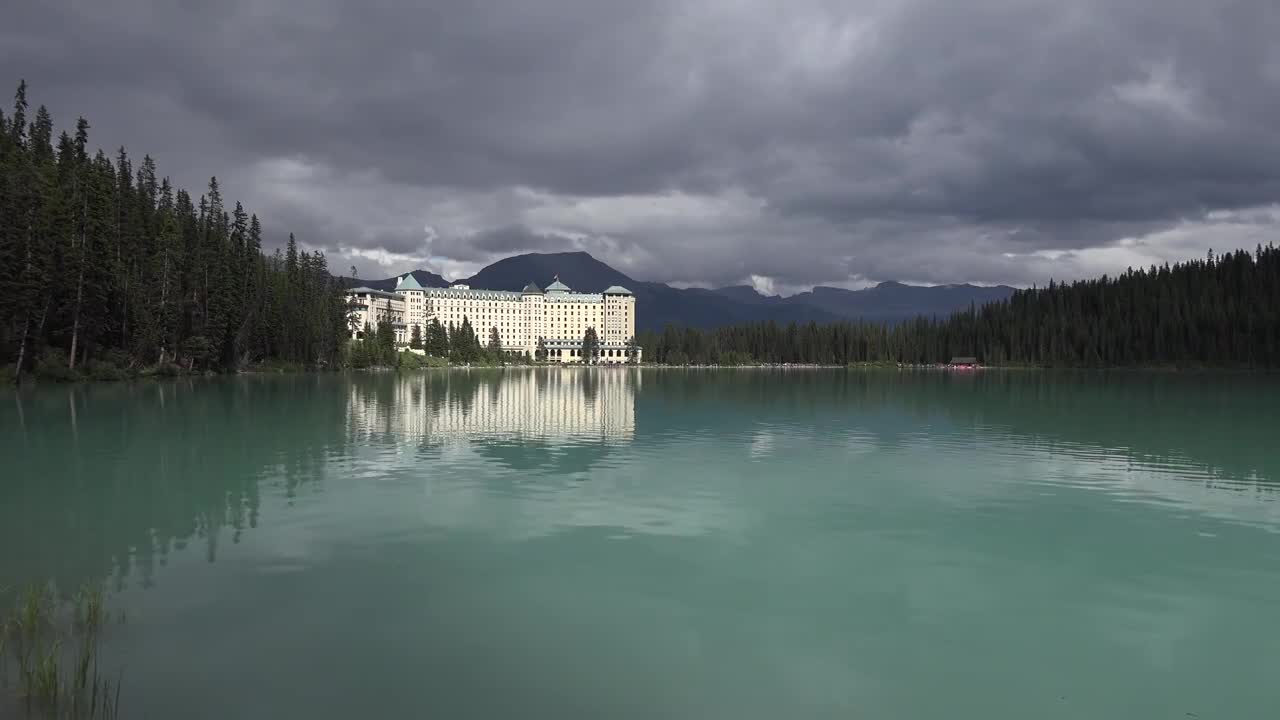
(4, 644)
(89, 610)
(54, 646)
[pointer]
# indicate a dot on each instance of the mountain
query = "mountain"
(578, 270)
(658, 304)
(746, 294)
(424, 278)
(892, 301)
(886, 302)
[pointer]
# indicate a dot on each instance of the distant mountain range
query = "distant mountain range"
(658, 304)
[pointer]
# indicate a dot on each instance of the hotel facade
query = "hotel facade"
(557, 315)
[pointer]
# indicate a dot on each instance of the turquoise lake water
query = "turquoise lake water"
(622, 543)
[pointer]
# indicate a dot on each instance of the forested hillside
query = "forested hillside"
(1217, 312)
(107, 268)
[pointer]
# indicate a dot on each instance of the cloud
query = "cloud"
(501, 241)
(697, 141)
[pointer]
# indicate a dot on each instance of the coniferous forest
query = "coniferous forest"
(106, 268)
(1220, 312)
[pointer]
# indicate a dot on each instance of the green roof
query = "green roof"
(557, 286)
(408, 282)
(616, 290)
(531, 289)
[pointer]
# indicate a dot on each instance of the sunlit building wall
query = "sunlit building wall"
(558, 316)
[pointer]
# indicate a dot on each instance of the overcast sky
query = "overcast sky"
(705, 142)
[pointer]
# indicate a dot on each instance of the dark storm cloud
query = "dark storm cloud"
(501, 241)
(699, 140)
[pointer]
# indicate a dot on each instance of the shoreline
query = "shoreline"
(32, 380)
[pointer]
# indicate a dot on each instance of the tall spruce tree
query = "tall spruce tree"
(468, 345)
(386, 343)
(437, 340)
(103, 263)
(590, 346)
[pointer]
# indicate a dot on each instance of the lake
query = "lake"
(623, 543)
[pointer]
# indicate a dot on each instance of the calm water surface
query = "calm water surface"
(665, 544)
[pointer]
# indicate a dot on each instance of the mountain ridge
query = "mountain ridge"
(659, 304)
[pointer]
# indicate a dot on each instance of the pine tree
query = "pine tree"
(437, 340)
(464, 346)
(89, 259)
(1203, 313)
(415, 339)
(164, 272)
(386, 343)
(540, 353)
(99, 261)
(18, 125)
(590, 346)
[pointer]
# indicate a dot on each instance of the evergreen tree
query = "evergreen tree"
(437, 341)
(540, 353)
(415, 339)
(495, 341)
(464, 346)
(386, 343)
(590, 346)
(1216, 312)
(103, 264)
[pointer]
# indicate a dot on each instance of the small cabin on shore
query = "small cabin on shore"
(963, 362)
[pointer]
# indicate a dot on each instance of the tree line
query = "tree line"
(457, 344)
(1222, 311)
(449, 343)
(106, 268)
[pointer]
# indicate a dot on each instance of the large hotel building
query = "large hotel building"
(557, 315)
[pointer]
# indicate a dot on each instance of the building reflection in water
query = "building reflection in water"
(551, 405)
(109, 480)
